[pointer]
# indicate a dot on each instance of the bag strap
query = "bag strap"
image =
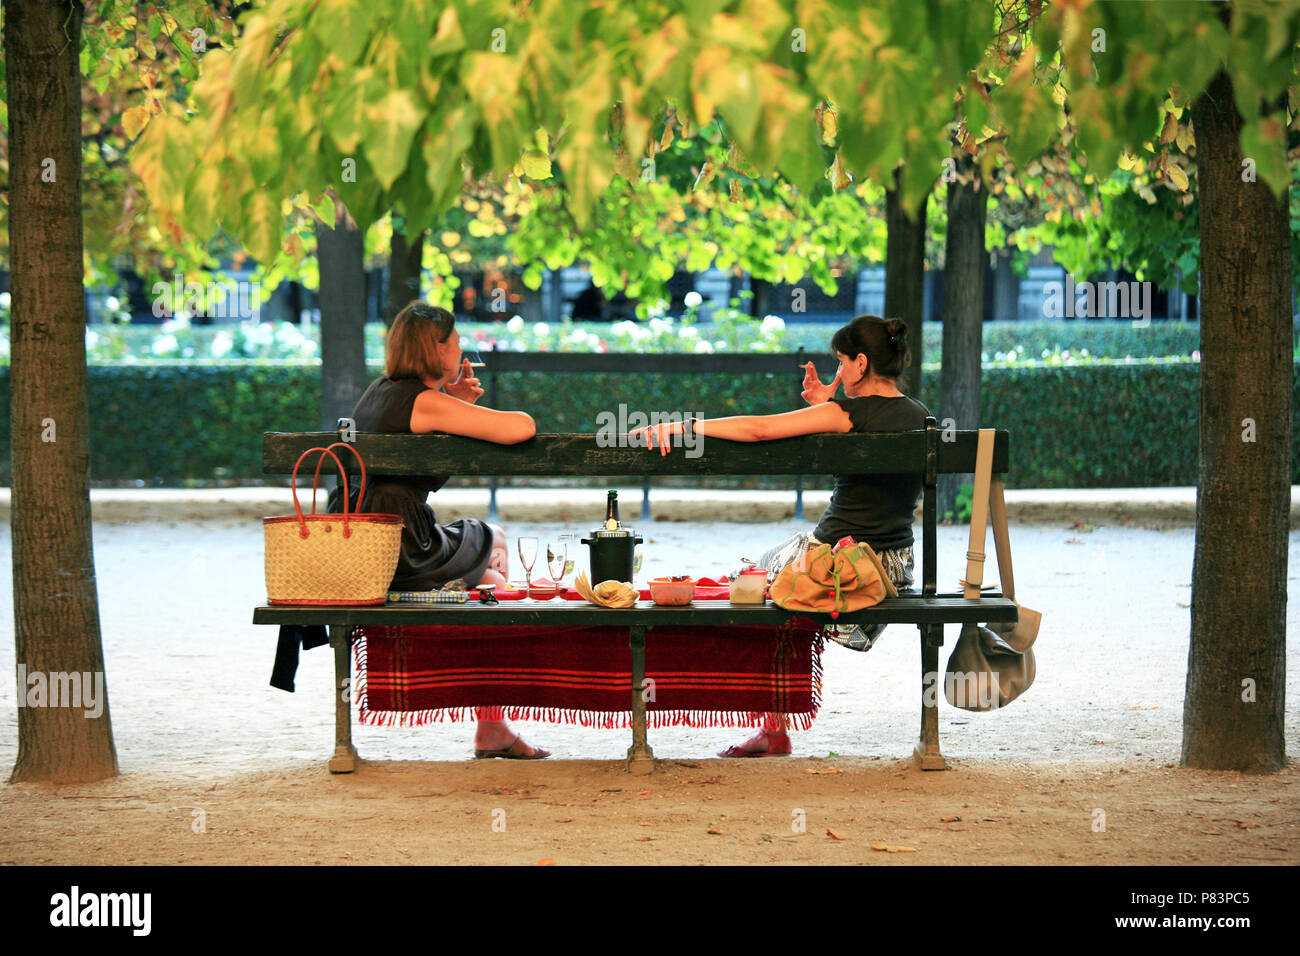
(1001, 538)
(979, 514)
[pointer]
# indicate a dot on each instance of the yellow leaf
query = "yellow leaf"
(735, 194)
(1178, 177)
(830, 126)
(839, 175)
(888, 848)
(1170, 130)
(134, 120)
(536, 164)
(1185, 139)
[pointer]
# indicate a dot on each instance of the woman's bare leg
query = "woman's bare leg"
(493, 732)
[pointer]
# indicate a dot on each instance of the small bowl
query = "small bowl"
(672, 593)
(543, 593)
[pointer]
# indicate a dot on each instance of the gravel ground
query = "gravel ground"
(187, 671)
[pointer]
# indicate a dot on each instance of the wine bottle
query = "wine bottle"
(611, 512)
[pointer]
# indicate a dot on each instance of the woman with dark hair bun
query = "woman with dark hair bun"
(877, 509)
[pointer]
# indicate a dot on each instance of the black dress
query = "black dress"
(432, 554)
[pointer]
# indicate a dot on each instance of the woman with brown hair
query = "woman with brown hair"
(877, 509)
(429, 387)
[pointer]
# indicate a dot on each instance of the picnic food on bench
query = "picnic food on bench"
(607, 593)
(674, 591)
(748, 586)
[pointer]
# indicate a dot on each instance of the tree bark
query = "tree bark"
(905, 277)
(56, 603)
(965, 263)
(404, 270)
(341, 254)
(1236, 665)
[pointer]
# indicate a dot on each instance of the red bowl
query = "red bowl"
(543, 594)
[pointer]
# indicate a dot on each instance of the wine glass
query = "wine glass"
(557, 557)
(636, 563)
(528, 557)
(570, 540)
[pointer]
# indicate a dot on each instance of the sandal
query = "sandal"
(510, 753)
(739, 750)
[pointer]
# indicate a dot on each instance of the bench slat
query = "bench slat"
(903, 610)
(582, 455)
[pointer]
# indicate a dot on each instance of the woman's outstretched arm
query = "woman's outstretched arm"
(814, 420)
(436, 411)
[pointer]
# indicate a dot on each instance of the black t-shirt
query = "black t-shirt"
(386, 407)
(875, 508)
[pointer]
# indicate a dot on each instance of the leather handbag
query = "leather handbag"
(330, 559)
(833, 580)
(991, 666)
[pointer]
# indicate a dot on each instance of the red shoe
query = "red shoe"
(778, 747)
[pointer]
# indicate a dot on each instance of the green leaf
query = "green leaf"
(344, 26)
(390, 128)
(262, 226)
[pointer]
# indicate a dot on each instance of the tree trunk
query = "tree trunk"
(64, 731)
(905, 277)
(1236, 665)
(404, 271)
(965, 262)
(341, 254)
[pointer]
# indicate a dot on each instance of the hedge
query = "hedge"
(1087, 426)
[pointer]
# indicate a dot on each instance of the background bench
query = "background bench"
(552, 456)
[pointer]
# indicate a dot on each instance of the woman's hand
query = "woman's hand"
(466, 387)
(814, 392)
(660, 434)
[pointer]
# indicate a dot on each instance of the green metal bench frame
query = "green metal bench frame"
(919, 451)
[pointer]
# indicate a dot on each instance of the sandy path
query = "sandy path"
(197, 726)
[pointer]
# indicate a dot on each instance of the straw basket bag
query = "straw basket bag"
(331, 558)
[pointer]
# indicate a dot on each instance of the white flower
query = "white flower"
(659, 326)
(164, 344)
(772, 324)
(719, 345)
(541, 329)
(92, 338)
(4, 300)
(516, 324)
(703, 346)
(112, 304)
(222, 343)
(690, 332)
(693, 299)
(656, 310)
(624, 327)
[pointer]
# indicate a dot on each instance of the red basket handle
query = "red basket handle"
(320, 461)
(302, 522)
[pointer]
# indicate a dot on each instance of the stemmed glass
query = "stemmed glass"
(569, 540)
(528, 557)
(557, 557)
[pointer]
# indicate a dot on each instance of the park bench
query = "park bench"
(552, 456)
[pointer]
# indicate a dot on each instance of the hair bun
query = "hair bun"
(897, 330)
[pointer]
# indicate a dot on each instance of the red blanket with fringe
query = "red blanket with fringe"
(702, 676)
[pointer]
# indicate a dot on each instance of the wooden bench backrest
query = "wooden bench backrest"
(922, 452)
